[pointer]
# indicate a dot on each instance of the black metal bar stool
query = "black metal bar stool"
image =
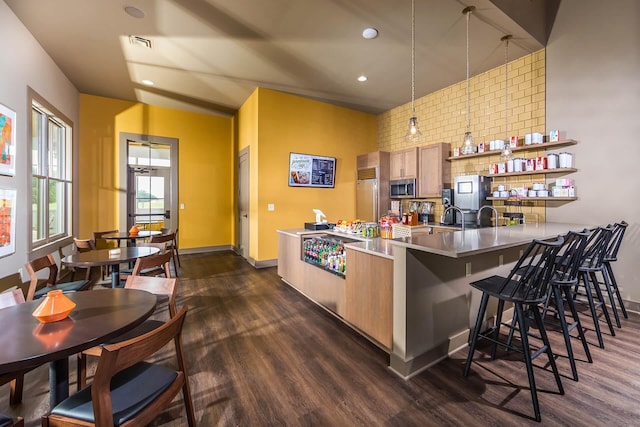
(592, 263)
(526, 288)
(563, 279)
(612, 255)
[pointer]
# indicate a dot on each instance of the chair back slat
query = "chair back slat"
(616, 239)
(33, 267)
(570, 256)
(597, 244)
(529, 278)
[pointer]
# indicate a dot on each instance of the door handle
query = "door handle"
(245, 215)
(167, 214)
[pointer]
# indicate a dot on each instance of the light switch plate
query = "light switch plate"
(271, 207)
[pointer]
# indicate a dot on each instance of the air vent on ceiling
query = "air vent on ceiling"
(140, 41)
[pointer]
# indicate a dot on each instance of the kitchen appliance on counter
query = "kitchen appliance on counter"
(470, 194)
(425, 212)
(402, 188)
(450, 217)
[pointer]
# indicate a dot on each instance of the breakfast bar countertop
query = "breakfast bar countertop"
(482, 240)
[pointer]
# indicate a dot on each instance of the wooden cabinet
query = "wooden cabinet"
(369, 296)
(404, 164)
(435, 170)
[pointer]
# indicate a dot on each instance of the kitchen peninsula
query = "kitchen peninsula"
(410, 296)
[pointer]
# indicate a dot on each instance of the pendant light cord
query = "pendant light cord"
(468, 108)
(413, 56)
(506, 85)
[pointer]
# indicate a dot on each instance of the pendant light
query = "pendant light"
(468, 147)
(413, 133)
(506, 153)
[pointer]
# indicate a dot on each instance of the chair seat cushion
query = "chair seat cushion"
(496, 287)
(5, 421)
(77, 285)
(131, 391)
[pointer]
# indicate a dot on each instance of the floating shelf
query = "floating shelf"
(540, 172)
(565, 199)
(531, 147)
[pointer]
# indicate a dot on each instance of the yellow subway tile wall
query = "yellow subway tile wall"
(442, 118)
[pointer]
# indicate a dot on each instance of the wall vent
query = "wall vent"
(140, 41)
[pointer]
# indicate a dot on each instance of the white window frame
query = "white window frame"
(52, 119)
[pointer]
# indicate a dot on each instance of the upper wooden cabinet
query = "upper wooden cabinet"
(435, 170)
(404, 163)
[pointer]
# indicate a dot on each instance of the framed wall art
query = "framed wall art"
(7, 222)
(7, 141)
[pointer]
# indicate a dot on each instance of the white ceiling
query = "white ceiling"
(210, 55)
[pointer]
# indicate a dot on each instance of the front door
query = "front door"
(150, 177)
(149, 206)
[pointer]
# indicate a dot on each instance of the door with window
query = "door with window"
(151, 183)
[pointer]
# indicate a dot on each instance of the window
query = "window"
(51, 136)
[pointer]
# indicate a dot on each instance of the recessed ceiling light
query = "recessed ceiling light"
(134, 11)
(147, 82)
(370, 33)
(362, 78)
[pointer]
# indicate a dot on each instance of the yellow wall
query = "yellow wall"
(98, 174)
(442, 118)
(205, 166)
(287, 123)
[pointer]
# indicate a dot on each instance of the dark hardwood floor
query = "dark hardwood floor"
(260, 354)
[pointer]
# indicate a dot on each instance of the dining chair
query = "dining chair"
(162, 287)
(9, 298)
(84, 245)
(152, 265)
(7, 421)
(104, 244)
(174, 245)
(127, 390)
(169, 238)
(38, 289)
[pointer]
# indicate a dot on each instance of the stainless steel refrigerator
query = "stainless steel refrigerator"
(371, 202)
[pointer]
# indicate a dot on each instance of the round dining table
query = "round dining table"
(130, 238)
(99, 316)
(112, 257)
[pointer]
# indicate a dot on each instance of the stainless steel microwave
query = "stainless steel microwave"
(403, 189)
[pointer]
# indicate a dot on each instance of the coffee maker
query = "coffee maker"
(448, 218)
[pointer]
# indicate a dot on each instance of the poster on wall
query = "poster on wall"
(7, 141)
(7, 222)
(311, 171)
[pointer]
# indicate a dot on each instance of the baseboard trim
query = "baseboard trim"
(204, 249)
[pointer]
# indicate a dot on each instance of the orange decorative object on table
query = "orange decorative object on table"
(133, 231)
(56, 306)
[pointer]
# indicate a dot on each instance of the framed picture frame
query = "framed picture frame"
(7, 141)
(7, 221)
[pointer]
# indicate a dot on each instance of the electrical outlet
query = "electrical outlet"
(181, 205)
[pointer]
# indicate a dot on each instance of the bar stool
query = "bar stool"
(592, 263)
(564, 277)
(526, 288)
(612, 255)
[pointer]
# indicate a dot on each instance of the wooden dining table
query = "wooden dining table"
(99, 316)
(112, 257)
(130, 238)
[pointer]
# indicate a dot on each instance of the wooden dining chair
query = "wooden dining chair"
(173, 246)
(126, 389)
(152, 265)
(39, 287)
(9, 298)
(168, 238)
(84, 245)
(162, 287)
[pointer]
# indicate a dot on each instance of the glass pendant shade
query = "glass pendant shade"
(506, 153)
(413, 133)
(467, 146)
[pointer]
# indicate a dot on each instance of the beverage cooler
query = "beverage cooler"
(326, 252)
